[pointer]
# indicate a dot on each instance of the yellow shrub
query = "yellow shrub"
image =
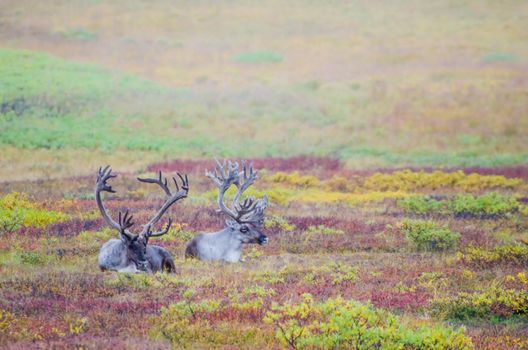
(408, 180)
(320, 196)
(16, 210)
(294, 179)
(16, 200)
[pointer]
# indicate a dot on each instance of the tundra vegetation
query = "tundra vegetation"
(337, 273)
(390, 138)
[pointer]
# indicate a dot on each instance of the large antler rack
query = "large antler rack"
(226, 174)
(125, 222)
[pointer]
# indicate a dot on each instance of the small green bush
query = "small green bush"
(10, 221)
(348, 324)
(488, 205)
(259, 57)
(420, 205)
(426, 235)
(32, 258)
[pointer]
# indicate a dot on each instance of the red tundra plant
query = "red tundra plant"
(475, 236)
(253, 315)
(73, 227)
(89, 342)
(59, 304)
(400, 300)
(520, 171)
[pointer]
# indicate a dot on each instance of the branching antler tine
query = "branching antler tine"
(220, 167)
(103, 171)
(162, 232)
(185, 181)
(101, 185)
(127, 220)
(161, 181)
(172, 198)
(223, 177)
(248, 181)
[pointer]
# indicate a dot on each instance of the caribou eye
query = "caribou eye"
(244, 229)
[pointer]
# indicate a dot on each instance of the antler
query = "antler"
(162, 232)
(125, 222)
(250, 210)
(249, 176)
(224, 178)
(104, 175)
(170, 200)
(255, 213)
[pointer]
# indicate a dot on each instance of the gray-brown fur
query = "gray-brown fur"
(132, 253)
(245, 220)
(191, 250)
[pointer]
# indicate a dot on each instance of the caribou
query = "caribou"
(132, 253)
(245, 219)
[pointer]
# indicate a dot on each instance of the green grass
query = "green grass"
(351, 82)
(259, 57)
(51, 103)
(80, 34)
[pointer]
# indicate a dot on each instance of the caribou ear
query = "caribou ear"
(232, 224)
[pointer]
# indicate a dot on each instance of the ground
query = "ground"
(391, 139)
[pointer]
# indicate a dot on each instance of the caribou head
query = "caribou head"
(245, 219)
(132, 253)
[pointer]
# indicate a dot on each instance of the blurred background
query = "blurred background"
(373, 84)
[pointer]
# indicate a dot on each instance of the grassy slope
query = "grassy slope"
(384, 85)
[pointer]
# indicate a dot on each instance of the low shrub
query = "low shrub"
(16, 211)
(408, 180)
(186, 325)
(487, 206)
(32, 258)
(277, 222)
(493, 303)
(348, 324)
(426, 235)
(10, 221)
(294, 179)
(420, 205)
(509, 254)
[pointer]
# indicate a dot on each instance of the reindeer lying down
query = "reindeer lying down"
(245, 219)
(132, 253)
